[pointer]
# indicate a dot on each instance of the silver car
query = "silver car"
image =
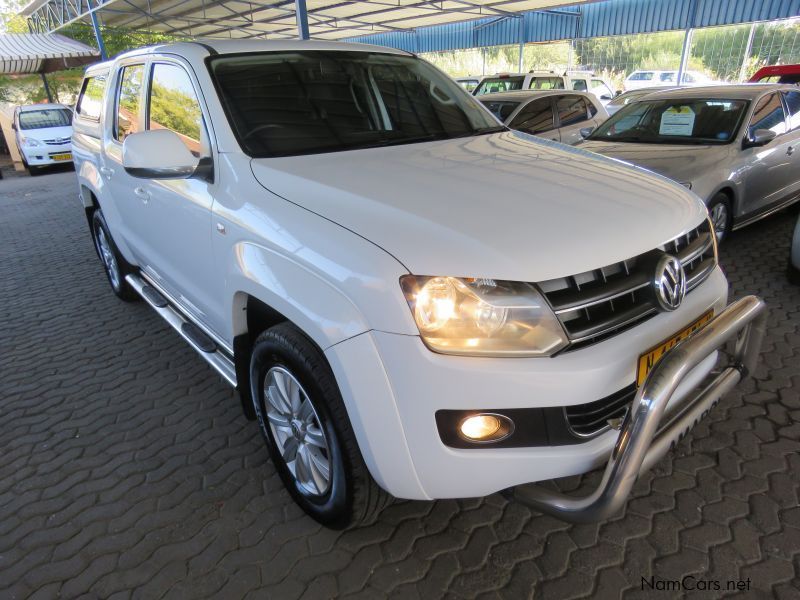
(559, 115)
(794, 257)
(735, 146)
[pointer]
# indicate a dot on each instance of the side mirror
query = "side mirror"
(14, 126)
(760, 137)
(605, 97)
(586, 132)
(160, 154)
(618, 92)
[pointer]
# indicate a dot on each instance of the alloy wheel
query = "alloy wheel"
(109, 261)
(719, 217)
(297, 431)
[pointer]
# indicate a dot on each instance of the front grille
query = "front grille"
(57, 142)
(592, 418)
(597, 304)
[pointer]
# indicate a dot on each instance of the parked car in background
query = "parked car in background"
(626, 98)
(43, 134)
(644, 78)
(469, 83)
(794, 255)
(555, 114)
(582, 81)
(777, 74)
(734, 146)
(409, 297)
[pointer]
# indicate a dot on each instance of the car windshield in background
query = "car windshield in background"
(678, 121)
(44, 118)
(492, 85)
(500, 109)
(291, 103)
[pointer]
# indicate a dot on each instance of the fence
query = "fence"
(728, 53)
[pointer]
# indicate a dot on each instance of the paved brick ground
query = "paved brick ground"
(127, 470)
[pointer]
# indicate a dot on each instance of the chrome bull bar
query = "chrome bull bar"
(642, 440)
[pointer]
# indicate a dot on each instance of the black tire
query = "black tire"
(720, 202)
(352, 497)
(33, 171)
(793, 274)
(119, 285)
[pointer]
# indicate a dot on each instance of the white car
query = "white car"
(43, 133)
(557, 115)
(581, 81)
(469, 82)
(411, 299)
(645, 79)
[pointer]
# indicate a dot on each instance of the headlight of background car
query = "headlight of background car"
(482, 317)
(31, 142)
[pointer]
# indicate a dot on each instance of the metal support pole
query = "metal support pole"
(747, 50)
(301, 13)
(98, 35)
(521, 44)
(687, 48)
(47, 89)
(483, 57)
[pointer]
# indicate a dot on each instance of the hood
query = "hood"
(504, 206)
(48, 133)
(679, 163)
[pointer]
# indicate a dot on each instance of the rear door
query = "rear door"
(124, 207)
(537, 118)
(572, 115)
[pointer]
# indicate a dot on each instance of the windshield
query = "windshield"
(674, 121)
(44, 118)
(492, 85)
(500, 109)
(290, 103)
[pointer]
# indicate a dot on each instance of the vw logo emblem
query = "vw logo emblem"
(669, 283)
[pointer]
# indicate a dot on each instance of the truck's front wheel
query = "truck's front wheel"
(114, 264)
(305, 425)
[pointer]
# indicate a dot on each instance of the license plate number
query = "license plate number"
(649, 359)
(67, 156)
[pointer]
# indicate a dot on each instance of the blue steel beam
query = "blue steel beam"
(302, 19)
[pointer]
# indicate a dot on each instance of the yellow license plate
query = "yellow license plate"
(67, 156)
(649, 359)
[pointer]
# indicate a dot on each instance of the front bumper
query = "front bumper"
(39, 156)
(393, 387)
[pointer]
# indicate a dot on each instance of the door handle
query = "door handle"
(790, 150)
(142, 194)
(106, 172)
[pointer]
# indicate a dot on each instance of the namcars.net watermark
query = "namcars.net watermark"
(691, 583)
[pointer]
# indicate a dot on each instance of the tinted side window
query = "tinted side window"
(793, 103)
(571, 110)
(590, 105)
(173, 105)
(768, 114)
(546, 83)
(535, 117)
(90, 100)
(579, 85)
(129, 101)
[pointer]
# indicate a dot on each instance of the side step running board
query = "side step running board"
(198, 340)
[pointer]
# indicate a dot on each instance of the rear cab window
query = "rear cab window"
(90, 100)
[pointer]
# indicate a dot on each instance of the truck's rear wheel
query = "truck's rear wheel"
(305, 426)
(115, 266)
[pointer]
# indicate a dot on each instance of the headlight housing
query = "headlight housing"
(30, 142)
(482, 317)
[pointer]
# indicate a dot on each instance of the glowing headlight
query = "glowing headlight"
(482, 317)
(31, 142)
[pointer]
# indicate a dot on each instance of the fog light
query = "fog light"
(485, 427)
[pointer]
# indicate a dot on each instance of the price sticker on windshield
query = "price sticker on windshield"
(677, 120)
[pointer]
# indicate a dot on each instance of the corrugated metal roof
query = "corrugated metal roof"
(595, 19)
(42, 53)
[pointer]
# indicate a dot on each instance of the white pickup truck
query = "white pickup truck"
(412, 300)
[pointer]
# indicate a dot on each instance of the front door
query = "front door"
(769, 167)
(180, 255)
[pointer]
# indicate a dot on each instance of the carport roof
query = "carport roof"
(327, 19)
(42, 53)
